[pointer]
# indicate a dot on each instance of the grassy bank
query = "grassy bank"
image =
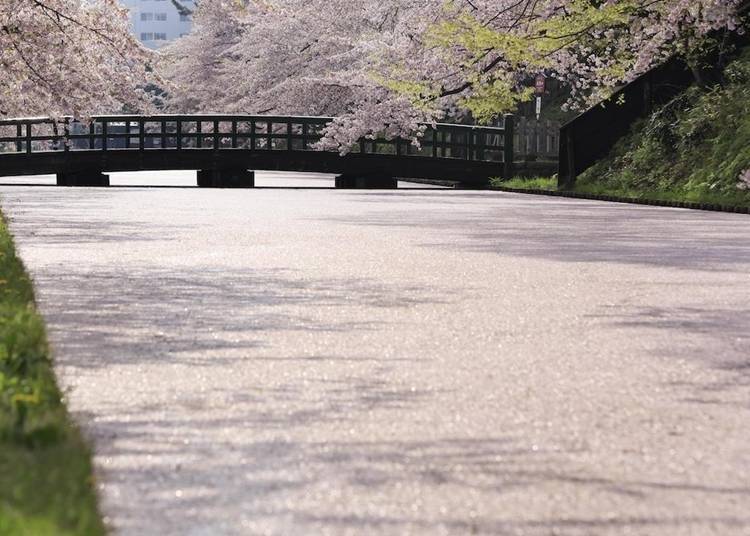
(530, 183)
(738, 199)
(46, 484)
(693, 149)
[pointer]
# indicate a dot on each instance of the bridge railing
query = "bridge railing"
(253, 133)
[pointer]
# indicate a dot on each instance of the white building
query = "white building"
(156, 22)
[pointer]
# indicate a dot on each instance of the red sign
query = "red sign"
(539, 85)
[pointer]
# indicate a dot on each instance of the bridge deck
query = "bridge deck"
(468, 154)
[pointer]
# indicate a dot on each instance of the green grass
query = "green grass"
(727, 198)
(739, 199)
(522, 183)
(46, 484)
(694, 148)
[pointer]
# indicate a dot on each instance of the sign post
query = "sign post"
(539, 89)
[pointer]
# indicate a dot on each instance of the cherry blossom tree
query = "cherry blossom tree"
(384, 66)
(299, 57)
(200, 65)
(68, 57)
(593, 45)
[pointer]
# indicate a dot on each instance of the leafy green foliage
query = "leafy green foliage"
(695, 147)
(46, 485)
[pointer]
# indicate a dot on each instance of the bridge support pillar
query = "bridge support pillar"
(350, 181)
(226, 178)
(82, 178)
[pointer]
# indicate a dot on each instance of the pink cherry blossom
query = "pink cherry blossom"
(379, 68)
(64, 57)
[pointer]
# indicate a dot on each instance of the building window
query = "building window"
(160, 36)
(161, 16)
(184, 18)
(147, 16)
(147, 36)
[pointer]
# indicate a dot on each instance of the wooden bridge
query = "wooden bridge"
(225, 150)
